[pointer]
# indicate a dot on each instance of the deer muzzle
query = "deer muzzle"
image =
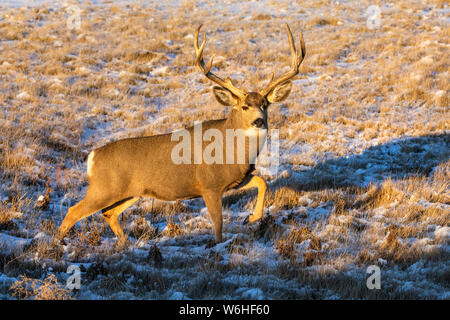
(259, 123)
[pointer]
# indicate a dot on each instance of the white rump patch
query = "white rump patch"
(90, 162)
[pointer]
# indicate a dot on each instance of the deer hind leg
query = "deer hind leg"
(81, 210)
(111, 215)
(213, 201)
(257, 182)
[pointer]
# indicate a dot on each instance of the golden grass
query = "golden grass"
(47, 289)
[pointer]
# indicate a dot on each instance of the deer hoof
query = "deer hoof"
(250, 219)
(122, 244)
(62, 242)
(211, 243)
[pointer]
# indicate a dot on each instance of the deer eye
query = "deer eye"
(244, 108)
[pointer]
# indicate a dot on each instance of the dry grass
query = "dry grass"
(47, 289)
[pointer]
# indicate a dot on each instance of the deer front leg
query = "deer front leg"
(213, 201)
(257, 182)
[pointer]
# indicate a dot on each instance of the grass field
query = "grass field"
(364, 176)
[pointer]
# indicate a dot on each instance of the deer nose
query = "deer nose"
(259, 123)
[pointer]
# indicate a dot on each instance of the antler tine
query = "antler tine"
(199, 52)
(206, 69)
(294, 54)
(302, 46)
(296, 60)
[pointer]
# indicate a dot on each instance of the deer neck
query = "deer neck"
(234, 122)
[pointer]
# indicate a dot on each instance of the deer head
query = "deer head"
(250, 108)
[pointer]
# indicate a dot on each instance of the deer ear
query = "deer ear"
(224, 96)
(280, 92)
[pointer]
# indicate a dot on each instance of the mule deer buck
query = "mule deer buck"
(123, 171)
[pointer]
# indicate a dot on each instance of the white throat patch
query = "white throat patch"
(253, 132)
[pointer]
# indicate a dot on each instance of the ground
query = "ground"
(364, 170)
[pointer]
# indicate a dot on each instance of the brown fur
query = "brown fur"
(123, 171)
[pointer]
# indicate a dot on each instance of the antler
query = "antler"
(206, 69)
(295, 63)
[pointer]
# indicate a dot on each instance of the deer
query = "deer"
(123, 171)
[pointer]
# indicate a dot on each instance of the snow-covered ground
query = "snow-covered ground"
(364, 148)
